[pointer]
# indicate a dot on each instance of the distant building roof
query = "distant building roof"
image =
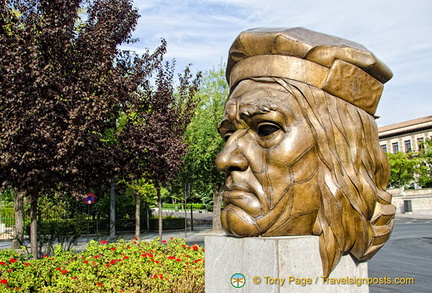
(409, 126)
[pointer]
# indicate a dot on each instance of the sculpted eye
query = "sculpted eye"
(267, 129)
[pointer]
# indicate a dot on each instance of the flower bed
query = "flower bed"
(125, 266)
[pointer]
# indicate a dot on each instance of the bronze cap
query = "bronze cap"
(340, 67)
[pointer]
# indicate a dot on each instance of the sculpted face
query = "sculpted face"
(270, 160)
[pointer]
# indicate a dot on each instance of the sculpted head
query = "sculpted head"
(302, 154)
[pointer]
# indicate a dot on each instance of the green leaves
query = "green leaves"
(128, 266)
(201, 135)
(409, 168)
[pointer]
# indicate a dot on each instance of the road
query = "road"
(408, 254)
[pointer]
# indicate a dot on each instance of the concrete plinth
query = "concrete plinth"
(276, 264)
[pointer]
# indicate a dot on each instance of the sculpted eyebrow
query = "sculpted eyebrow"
(251, 110)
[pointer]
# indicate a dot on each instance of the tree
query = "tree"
(204, 140)
(425, 167)
(402, 169)
(60, 89)
(152, 138)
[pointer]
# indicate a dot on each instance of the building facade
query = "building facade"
(405, 136)
(408, 137)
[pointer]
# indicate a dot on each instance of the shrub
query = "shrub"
(125, 266)
(172, 206)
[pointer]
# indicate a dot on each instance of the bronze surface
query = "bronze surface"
(302, 154)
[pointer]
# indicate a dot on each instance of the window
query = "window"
(420, 143)
(384, 147)
(407, 146)
(395, 146)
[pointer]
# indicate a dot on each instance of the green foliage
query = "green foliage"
(125, 266)
(425, 167)
(174, 206)
(410, 168)
(202, 136)
(402, 169)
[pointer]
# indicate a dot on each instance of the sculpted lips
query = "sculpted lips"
(243, 197)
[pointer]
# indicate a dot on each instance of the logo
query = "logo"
(238, 280)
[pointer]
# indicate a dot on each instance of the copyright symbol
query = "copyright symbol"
(256, 280)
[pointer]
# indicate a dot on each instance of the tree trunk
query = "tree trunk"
(137, 214)
(159, 211)
(217, 203)
(112, 210)
(33, 225)
(18, 235)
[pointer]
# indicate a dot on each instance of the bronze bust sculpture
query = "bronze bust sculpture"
(302, 154)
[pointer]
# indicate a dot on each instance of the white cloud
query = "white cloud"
(399, 32)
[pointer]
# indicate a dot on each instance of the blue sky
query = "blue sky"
(399, 32)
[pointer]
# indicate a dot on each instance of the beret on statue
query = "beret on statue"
(340, 67)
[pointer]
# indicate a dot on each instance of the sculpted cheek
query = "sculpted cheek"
(298, 139)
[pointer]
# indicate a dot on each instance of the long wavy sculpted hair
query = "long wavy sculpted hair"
(356, 215)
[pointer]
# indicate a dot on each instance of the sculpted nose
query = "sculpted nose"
(231, 158)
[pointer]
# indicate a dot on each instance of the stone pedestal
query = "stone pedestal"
(276, 264)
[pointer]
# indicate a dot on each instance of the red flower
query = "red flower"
(155, 276)
(74, 278)
(164, 241)
(45, 255)
(26, 264)
(3, 281)
(86, 261)
(113, 261)
(99, 284)
(103, 242)
(150, 254)
(135, 238)
(113, 248)
(64, 272)
(195, 247)
(107, 265)
(178, 259)
(12, 260)
(125, 257)
(2, 262)
(58, 269)
(171, 257)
